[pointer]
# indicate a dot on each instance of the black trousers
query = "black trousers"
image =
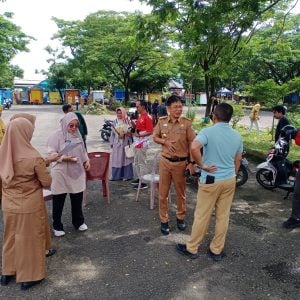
(76, 206)
(296, 198)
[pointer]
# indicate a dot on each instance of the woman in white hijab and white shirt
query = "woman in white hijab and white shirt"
(68, 173)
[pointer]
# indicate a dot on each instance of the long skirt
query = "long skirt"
(24, 244)
(121, 165)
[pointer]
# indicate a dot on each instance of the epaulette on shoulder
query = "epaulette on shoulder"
(185, 118)
(163, 117)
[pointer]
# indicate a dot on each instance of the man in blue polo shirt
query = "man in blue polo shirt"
(222, 155)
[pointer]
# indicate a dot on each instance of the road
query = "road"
(124, 256)
(48, 117)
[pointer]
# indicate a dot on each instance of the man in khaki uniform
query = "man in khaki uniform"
(174, 132)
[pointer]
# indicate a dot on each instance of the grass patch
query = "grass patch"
(255, 144)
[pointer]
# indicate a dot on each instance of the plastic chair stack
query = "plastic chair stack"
(99, 170)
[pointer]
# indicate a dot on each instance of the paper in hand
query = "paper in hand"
(68, 147)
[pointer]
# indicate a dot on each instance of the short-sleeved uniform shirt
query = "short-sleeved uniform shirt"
(180, 131)
(220, 144)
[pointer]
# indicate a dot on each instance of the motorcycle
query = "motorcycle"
(241, 176)
(106, 129)
(7, 104)
(268, 173)
(277, 171)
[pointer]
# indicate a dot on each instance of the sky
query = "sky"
(34, 18)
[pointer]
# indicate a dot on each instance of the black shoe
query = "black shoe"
(142, 187)
(181, 248)
(181, 225)
(29, 284)
(135, 181)
(216, 257)
(291, 223)
(5, 279)
(50, 252)
(164, 228)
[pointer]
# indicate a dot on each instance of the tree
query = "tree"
(109, 46)
(12, 40)
(275, 49)
(211, 32)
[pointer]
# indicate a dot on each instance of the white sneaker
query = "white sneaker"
(58, 232)
(83, 227)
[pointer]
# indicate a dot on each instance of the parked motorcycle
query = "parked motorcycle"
(106, 129)
(277, 171)
(241, 177)
(6, 104)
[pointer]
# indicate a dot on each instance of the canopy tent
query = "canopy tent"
(224, 91)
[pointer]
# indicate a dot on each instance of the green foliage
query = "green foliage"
(191, 112)
(95, 109)
(238, 113)
(262, 143)
(294, 119)
(267, 92)
(109, 47)
(12, 40)
(199, 123)
(271, 55)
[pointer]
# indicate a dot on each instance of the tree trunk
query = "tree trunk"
(126, 95)
(61, 95)
(208, 104)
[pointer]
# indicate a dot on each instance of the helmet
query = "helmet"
(288, 132)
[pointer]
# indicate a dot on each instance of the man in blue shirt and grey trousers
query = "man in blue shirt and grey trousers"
(222, 155)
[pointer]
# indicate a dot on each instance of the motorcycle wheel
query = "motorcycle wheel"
(265, 178)
(105, 136)
(241, 176)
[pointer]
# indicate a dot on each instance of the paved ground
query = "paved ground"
(124, 256)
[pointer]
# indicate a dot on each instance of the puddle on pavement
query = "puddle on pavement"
(284, 272)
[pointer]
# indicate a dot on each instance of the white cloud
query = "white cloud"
(34, 18)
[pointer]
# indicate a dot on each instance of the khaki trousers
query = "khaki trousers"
(168, 172)
(24, 245)
(218, 195)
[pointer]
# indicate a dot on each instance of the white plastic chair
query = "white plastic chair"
(151, 178)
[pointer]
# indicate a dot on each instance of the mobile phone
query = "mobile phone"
(210, 179)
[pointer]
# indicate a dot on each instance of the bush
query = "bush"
(95, 109)
(191, 112)
(238, 113)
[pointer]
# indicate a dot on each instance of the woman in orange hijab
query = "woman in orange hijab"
(24, 175)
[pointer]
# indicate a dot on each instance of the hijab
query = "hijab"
(64, 122)
(61, 138)
(125, 118)
(29, 117)
(16, 146)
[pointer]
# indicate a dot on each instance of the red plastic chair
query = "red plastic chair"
(99, 162)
